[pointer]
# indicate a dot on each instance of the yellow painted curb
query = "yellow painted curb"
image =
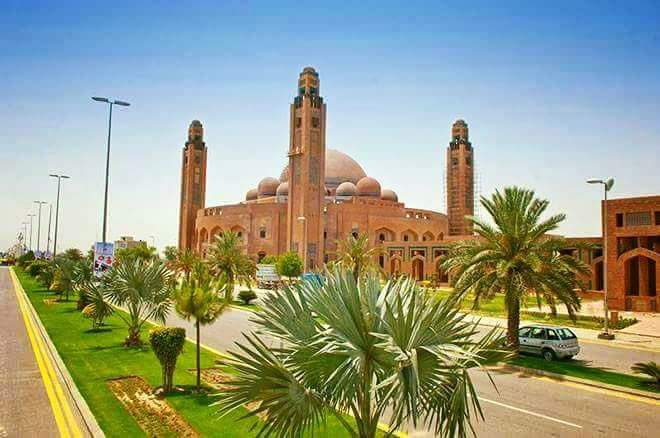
(66, 424)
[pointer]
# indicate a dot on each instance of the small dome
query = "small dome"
(346, 189)
(283, 189)
(267, 187)
(251, 195)
(368, 186)
(389, 195)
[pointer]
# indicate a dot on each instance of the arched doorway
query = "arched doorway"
(418, 269)
(440, 273)
(395, 266)
(639, 276)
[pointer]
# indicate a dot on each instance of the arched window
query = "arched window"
(262, 233)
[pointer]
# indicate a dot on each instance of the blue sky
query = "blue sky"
(553, 94)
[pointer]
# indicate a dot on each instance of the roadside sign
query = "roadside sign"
(104, 256)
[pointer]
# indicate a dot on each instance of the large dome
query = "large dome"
(339, 168)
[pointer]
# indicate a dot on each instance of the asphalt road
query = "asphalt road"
(521, 406)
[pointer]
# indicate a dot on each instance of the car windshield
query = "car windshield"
(565, 333)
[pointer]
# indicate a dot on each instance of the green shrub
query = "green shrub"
(289, 265)
(167, 343)
(24, 260)
(269, 260)
(36, 266)
(246, 296)
(47, 274)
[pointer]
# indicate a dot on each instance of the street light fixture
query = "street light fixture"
(57, 207)
(25, 224)
(110, 102)
(607, 186)
(40, 203)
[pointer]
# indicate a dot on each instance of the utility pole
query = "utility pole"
(31, 216)
(57, 207)
(40, 203)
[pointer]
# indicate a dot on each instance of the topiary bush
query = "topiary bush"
(246, 296)
(289, 265)
(269, 260)
(167, 343)
(36, 266)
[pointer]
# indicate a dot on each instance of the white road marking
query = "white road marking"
(535, 414)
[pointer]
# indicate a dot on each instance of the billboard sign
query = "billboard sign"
(104, 257)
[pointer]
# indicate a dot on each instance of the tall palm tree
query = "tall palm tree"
(227, 259)
(356, 347)
(183, 262)
(142, 289)
(516, 257)
(355, 254)
(197, 298)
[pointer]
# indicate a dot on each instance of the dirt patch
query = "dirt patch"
(154, 415)
(216, 378)
(50, 301)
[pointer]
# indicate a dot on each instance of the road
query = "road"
(521, 406)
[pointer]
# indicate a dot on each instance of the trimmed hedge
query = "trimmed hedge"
(167, 343)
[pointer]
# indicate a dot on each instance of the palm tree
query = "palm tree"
(356, 347)
(516, 257)
(142, 289)
(355, 254)
(96, 307)
(228, 260)
(183, 262)
(197, 298)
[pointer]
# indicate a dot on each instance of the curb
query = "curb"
(646, 335)
(88, 419)
(593, 383)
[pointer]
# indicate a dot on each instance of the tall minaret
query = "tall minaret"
(460, 180)
(193, 184)
(307, 171)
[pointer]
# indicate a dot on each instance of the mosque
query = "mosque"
(322, 195)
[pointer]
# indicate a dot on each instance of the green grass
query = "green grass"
(575, 369)
(496, 308)
(94, 357)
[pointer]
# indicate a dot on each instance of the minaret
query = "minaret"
(460, 180)
(193, 184)
(307, 171)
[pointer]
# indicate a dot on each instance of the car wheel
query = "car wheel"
(548, 355)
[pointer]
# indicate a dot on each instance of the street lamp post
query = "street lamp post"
(57, 208)
(607, 186)
(25, 224)
(40, 203)
(31, 216)
(107, 158)
(50, 218)
(303, 222)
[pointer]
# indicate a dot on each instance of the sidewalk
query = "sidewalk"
(48, 402)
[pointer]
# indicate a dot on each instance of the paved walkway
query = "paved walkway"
(37, 396)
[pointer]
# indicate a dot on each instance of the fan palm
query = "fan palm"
(516, 257)
(197, 298)
(97, 308)
(228, 260)
(142, 289)
(356, 347)
(355, 254)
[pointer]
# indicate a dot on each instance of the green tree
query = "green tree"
(141, 252)
(182, 262)
(73, 254)
(355, 254)
(269, 260)
(197, 298)
(167, 343)
(142, 289)
(289, 265)
(516, 257)
(96, 308)
(227, 259)
(361, 348)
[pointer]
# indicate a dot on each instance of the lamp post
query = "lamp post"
(25, 224)
(107, 158)
(50, 218)
(607, 186)
(57, 207)
(153, 241)
(31, 216)
(303, 222)
(40, 203)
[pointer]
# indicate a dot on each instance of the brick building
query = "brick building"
(323, 195)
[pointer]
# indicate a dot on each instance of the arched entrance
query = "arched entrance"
(418, 269)
(440, 273)
(395, 266)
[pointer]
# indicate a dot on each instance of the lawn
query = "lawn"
(575, 369)
(496, 308)
(94, 357)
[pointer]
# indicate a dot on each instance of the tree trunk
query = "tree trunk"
(513, 322)
(198, 366)
(133, 339)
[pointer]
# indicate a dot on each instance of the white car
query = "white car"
(549, 341)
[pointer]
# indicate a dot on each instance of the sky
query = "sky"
(553, 92)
